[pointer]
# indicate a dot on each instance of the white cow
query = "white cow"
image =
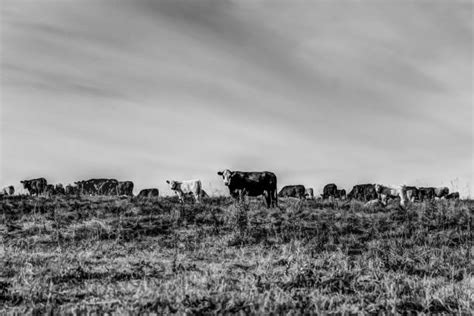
(384, 193)
(9, 190)
(181, 188)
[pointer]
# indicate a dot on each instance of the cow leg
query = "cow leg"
(180, 196)
(197, 198)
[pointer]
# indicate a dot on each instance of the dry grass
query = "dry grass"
(129, 256)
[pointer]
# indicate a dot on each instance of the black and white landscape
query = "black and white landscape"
(252, 156)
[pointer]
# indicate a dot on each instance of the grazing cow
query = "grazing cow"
(441, 192)
(181, 188)
(453, 196)
(71, 190)
(35, 186)
(297, 191)
(251, 184)
(91, 186)
(427, 193)
(341, 194)
(412, 193)
(9, 190)
(384, 193)
(125, 188)
(363, 192)
(329, 190)
(59, 189)
(148, 193)
(108, 187)
(49, 191)
(309, 193)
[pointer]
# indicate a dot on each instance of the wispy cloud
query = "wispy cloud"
(324, 91)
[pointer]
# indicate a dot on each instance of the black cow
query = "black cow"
(59, 189)
(35, 186)
(49, 191)
(251, 184)
(148, 193)
(453, 196)
(341, 194)
(91, 186)
(329, 190)
(427, 193)
(297, 191)
(108, 187)
(363, 192)
(125, 188)
(72, 190)
(441, 192)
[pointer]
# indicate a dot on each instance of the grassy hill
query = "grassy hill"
(71, 255)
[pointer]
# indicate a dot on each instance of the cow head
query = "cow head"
(173, 184)
(26, 184)
(226, 175)
(378, 188)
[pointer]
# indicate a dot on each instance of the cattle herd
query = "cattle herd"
(240, 184)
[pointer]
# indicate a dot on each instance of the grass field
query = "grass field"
(70, 255)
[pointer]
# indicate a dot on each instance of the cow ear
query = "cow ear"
(220, 173)
(22, 181)
(168, 181)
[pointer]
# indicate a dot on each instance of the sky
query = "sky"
(318, 92)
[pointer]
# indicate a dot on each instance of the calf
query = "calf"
(309, 194)
(148, 193)
(59, 189)
(341, 194)
(453, 196)
(441, 192)
(181, 188)
(9, 190)
(412, 193)
(427, 193)
(297, 191)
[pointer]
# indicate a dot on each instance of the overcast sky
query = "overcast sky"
(315, 91)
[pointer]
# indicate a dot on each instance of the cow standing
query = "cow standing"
(363, 192)
(251, 184)
(181, 188)
(329, 191)
(296, 191)
(35, 186)
(384, 193)
(309, 194)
